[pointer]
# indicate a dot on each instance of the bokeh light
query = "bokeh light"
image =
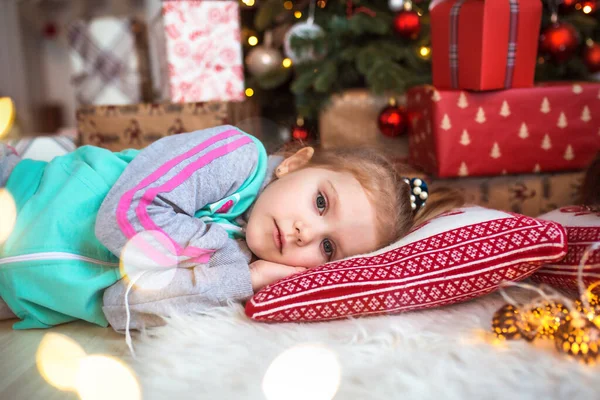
(252, 40)
(249, 92)
(298, 14)
(8, 214)
(288, 5)
(150, 253)
(58, 359)
(101, 378)
(306, 371)
(287, 62)
(7, 115)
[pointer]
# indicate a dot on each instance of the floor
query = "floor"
(19, 376)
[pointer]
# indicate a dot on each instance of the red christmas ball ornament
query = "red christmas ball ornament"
(50, 30)
(567, 5)
(559, 41)
(591, 57)
(407, 24)
(299, 131)
(392, 120)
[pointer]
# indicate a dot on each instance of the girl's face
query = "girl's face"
(311, 216)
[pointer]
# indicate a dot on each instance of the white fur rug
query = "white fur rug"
(435, 354)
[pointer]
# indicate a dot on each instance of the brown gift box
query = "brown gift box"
(530, 195)
(351, 120)
(136, 126)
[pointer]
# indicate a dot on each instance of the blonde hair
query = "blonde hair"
(383, 180)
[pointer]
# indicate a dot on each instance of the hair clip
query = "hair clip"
(418, 192)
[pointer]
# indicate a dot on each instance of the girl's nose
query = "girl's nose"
(303, 234)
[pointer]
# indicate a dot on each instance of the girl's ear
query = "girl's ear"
(294, 162)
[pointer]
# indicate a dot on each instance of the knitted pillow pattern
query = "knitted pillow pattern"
(583, 228)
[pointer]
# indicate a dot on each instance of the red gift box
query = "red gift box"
(554, 127)
(484, 45)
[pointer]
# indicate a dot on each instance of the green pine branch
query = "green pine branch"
(363, 51)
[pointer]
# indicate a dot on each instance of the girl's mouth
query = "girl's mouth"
(277, 238)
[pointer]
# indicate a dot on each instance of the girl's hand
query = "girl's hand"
(263, 273)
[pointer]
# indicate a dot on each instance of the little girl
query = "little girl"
(211, 201)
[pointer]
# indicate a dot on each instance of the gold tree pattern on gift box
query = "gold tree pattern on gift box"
(523, 131)
(463, 170)
(505, 109)
(585, 114)
(462, 100)
(545, 107)
(446, 124)
(537, 169)
(495, 153)
(480, 117)
(465, 140)
(546, 143)
(569, 154)
(562, 121)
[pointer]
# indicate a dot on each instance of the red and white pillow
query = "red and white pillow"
(583, 229)
(460, 255)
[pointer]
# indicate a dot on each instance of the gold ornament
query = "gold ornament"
(504, 323)
(263, 60)
(573, 325)
(542, 321)
(539, 322)
(579, 338)
(594, 304)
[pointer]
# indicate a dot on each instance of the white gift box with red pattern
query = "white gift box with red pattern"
(202, 54)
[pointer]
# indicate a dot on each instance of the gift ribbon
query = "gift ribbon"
(512, 40)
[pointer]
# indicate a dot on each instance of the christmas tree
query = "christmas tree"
(384, 45)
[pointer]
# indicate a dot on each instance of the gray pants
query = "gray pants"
(8, 160)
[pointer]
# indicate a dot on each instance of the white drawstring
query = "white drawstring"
(128, 322)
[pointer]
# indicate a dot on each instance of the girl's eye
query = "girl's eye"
(328, 248)
(321, 203)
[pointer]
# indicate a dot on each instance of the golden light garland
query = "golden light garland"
(574, 326)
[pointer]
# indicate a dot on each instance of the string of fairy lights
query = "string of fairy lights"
(573, 325)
